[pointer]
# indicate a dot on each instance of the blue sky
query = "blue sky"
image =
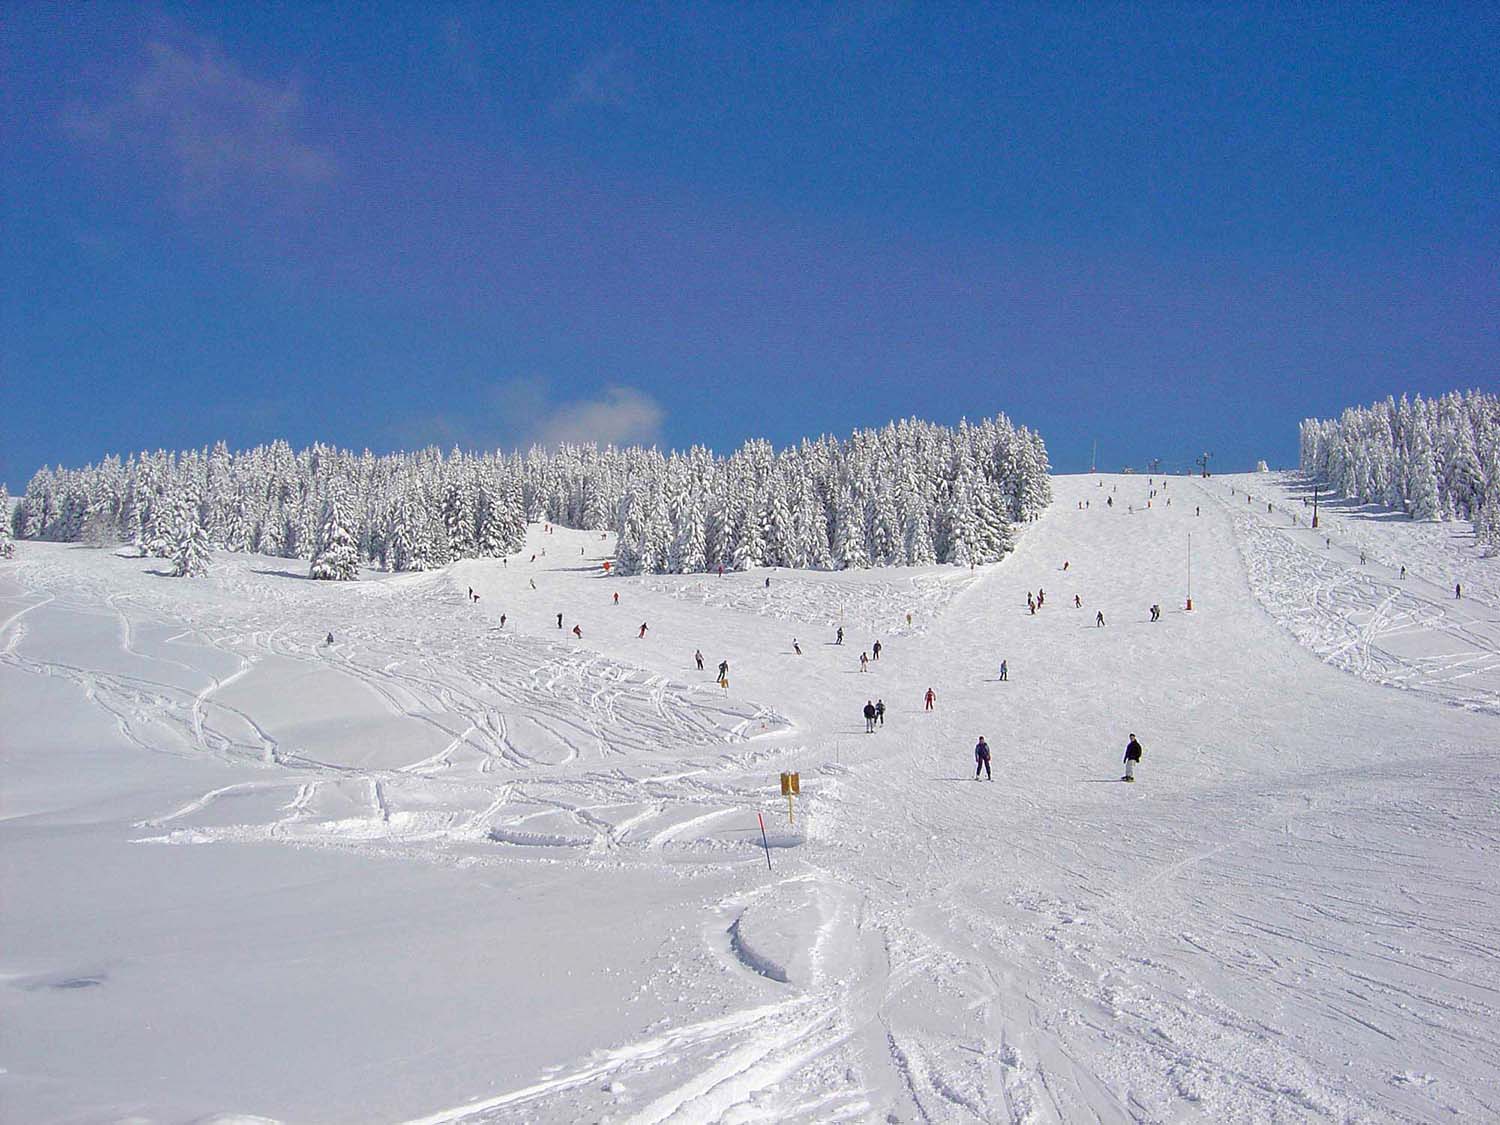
(1168, 228)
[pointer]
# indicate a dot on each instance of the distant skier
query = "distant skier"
(641, 635)
(796, 647)
(768, 582)
(908, 620)
(864, 662)
(698, 656)
(880, 712)
(1156, 613)
(1030, 602)
(328, 640)
(1065, 564)
(1110, 501)
(930, 698)
(502, 621)
(1458, 590)
(723, 670)
(875, 651)
(471, 593)
(577, 632)
(1132, 756)
(533, 583)
(982, 759)
(1361, 558)
(1077, 602)
(1403, 574)
(1004, 672)
(1197, 511)
(1099, 620)
(617, 597)
(559, 621)
(838, 638)
(1041, 598)
(869, 717)
(475, 597)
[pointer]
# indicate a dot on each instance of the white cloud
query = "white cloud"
(214, 124)
(520, 413)
(620, 416)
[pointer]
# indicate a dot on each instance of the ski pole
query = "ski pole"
(763, 839)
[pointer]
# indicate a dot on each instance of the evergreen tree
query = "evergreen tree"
(337, 557)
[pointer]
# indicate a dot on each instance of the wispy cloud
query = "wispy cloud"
(520, 413)
(606, 78)
(214, 125)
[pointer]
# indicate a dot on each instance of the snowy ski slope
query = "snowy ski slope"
(445, 871)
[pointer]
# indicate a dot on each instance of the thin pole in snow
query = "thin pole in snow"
(763, 839)
(1190, 571)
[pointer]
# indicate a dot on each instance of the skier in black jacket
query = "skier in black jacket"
(1132, 756)
(869, 717)
(982, 759)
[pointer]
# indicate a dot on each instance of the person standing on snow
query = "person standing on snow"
(698, 656)
(1458, 590)
(864, 662)
(869, 717)
(796, 647)
(617, 597)
(1004, 672)
(1132, 756)
(559, 621)
(875, 650)
(577, 632)
(1077, 602)
(880, 712)
(642, 634)
(838, 638)
(982, 759)
(1099, 620)
(930, 698)
(723, 670)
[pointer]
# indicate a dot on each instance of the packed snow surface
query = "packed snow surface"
(445, 870)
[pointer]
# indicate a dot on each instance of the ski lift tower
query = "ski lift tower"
(1202, 463)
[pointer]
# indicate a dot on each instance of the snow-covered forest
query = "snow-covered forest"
(1432, 458)
(909, 493)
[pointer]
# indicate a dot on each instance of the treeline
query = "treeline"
(1435, 458)
(912, 492)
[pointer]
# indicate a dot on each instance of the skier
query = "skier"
(1004, 672)
(1132, 756)
(880, 712)
(875, 650)
(1099, 620)
(1065, 564)
(1077, 602)
(641, 635)
(982, 759)
(1041, 598)
(577, 632)
(768, 583)
(838, 638)
(1109, 501)
(1197, 511)
(908, 620)
(617, 597)
(1361, 558)
(1458, 590)
(930, 698)
(328, 640)
(1156, 613)
(559, 621)
(1403, 574)
(471, 593)
(698, 656)
(869, 717)
(533, 583)
(864, 662)
(723, 671)
(1030, 603)
(502, 621)
(796, 647)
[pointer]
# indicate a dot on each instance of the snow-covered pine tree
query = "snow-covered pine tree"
(336, 557)
(7, 512)
(189, 541)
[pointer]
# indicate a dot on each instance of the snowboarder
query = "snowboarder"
(864, 662)
(1099, 620)
(838, 638)
(875, 650)
(1132, 756)
(880, 712)
(982, 759)
(698, 656)
(796, 647)
(1004, 672)
(641, 635)
(577, 632)
(930, 698)
(559, 621)
(869, 717)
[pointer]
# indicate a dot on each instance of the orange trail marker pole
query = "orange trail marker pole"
(763, 839)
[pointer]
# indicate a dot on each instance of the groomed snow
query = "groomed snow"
(446, 871)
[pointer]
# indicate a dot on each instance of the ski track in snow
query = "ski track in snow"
(1252, 932)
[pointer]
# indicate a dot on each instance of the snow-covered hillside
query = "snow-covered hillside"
(447, 870)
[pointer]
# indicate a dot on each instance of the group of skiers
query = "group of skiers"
(982, 756)
(874, 715)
